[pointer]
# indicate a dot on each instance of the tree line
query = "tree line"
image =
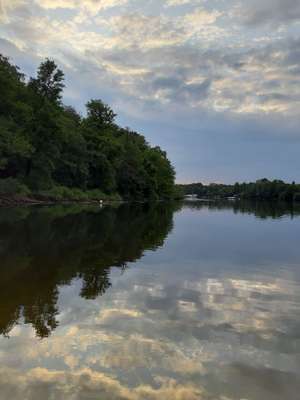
(48, 148)
(262, 189)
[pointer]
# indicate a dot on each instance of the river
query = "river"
(187, 301)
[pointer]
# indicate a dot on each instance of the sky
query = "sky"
(215, 83)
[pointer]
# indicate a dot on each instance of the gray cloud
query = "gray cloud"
(256, 12)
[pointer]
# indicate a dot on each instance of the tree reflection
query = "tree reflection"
(261, 209)
(42, 248)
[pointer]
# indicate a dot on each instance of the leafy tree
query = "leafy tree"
(15, 146)
(71, 168)
(99, 113)
(49, 82)
(47, 145)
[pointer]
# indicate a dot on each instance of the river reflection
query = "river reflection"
(150, 302)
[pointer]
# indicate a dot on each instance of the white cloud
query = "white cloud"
(172, 3)
(93, 6)
(7, 7)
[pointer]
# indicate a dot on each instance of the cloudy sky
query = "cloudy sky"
(216, 83)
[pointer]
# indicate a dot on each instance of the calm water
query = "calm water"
(192, 302)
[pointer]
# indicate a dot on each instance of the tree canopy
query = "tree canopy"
(46, 145)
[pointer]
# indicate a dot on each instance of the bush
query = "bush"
(11, 186)
(178, 193)
(297, 197)
(97, 194)
(62, 193)
(59, 193)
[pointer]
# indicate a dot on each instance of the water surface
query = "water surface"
(138, 302)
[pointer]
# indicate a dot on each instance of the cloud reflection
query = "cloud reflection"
(172, 329)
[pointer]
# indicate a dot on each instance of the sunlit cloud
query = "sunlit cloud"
(93, 6)
(88, 383)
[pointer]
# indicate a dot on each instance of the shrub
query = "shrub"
(11, 186)
(62, 193)
(297, 197)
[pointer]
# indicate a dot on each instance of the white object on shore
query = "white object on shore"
(191, 197)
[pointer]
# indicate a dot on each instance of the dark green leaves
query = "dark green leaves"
(49, 82)
(47, 145)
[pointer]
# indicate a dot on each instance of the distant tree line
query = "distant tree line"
(262, 189)
(48, 148)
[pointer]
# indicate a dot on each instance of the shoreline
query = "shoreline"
(11, 201)
(16, 201)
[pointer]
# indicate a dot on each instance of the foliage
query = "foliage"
(56, 152)
(59, 193)
(99, 113)
(11, 186)
(178, 192)
(262, 189)
(49, 82)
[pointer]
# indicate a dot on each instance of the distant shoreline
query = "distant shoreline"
(262, 189)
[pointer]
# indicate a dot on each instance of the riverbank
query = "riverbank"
(7, 201)
(14, 194)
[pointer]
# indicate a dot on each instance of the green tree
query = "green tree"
(49, 146)
(49, 82)
(99, 113)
